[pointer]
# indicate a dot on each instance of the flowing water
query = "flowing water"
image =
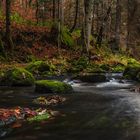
(99, 111)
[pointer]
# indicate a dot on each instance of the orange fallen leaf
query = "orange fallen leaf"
(16, 125)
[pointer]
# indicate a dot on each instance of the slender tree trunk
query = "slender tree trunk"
(101, 31)
(0, 5)
(76, 16)
(54, 9)
(131, 9)
(88, 11)
(8, 21)
(2, 50)
(93, 19)
(97, 18)
(118, 25)
(59, 24)
(62, 12)
(8, 25)
(37, 10)
(133, 27)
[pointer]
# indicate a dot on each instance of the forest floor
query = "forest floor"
(33, 43)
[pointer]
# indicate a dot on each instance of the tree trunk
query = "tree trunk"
(37, 10)
(118, 25)
(101, 31)
(0, 5)
(59, 23)
(8, 24)
(76, 16)
(133, 27)
(54, 9)
(2, 50)
(87, 24)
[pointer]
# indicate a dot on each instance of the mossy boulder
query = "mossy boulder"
(132, 61)
(40, 67)
(52, 86)
(94, 68)
(132, 71)
(105, 67)
(118, 67)
(78, 64)
(17, 77)
(92, 77)
(138, 76)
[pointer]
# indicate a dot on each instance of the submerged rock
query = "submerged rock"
(17, 77)
(51, 86)
(135, 89)
(50, 100)
(92, 77)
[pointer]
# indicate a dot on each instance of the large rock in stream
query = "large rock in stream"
(132, 72)
(92, 77)
(52, 86)
(17, 77)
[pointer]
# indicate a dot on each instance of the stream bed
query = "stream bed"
(99, 111)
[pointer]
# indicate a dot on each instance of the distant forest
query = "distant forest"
(115, 23)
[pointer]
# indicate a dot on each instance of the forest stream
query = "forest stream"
(99, 111)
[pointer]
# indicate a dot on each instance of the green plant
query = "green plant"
(1, 15)
(46, 24)
(39, 118)
(17, 18)
(66, 37)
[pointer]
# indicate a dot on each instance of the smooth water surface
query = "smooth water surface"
(100, 111)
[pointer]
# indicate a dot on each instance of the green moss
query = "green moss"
(65, 36)
(102, 122)
(39, 118)
(131, 71)
(138, 76)
(17, 18)
(40, 67)
(76, 34)
(105, 67)
(51, 86)
(77, 65)
(132, 61)
(17, 77)
(94, 68)
(118, 69)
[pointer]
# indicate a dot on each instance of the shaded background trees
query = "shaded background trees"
(114, 22)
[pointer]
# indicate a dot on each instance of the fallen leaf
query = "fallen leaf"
(17, 125)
